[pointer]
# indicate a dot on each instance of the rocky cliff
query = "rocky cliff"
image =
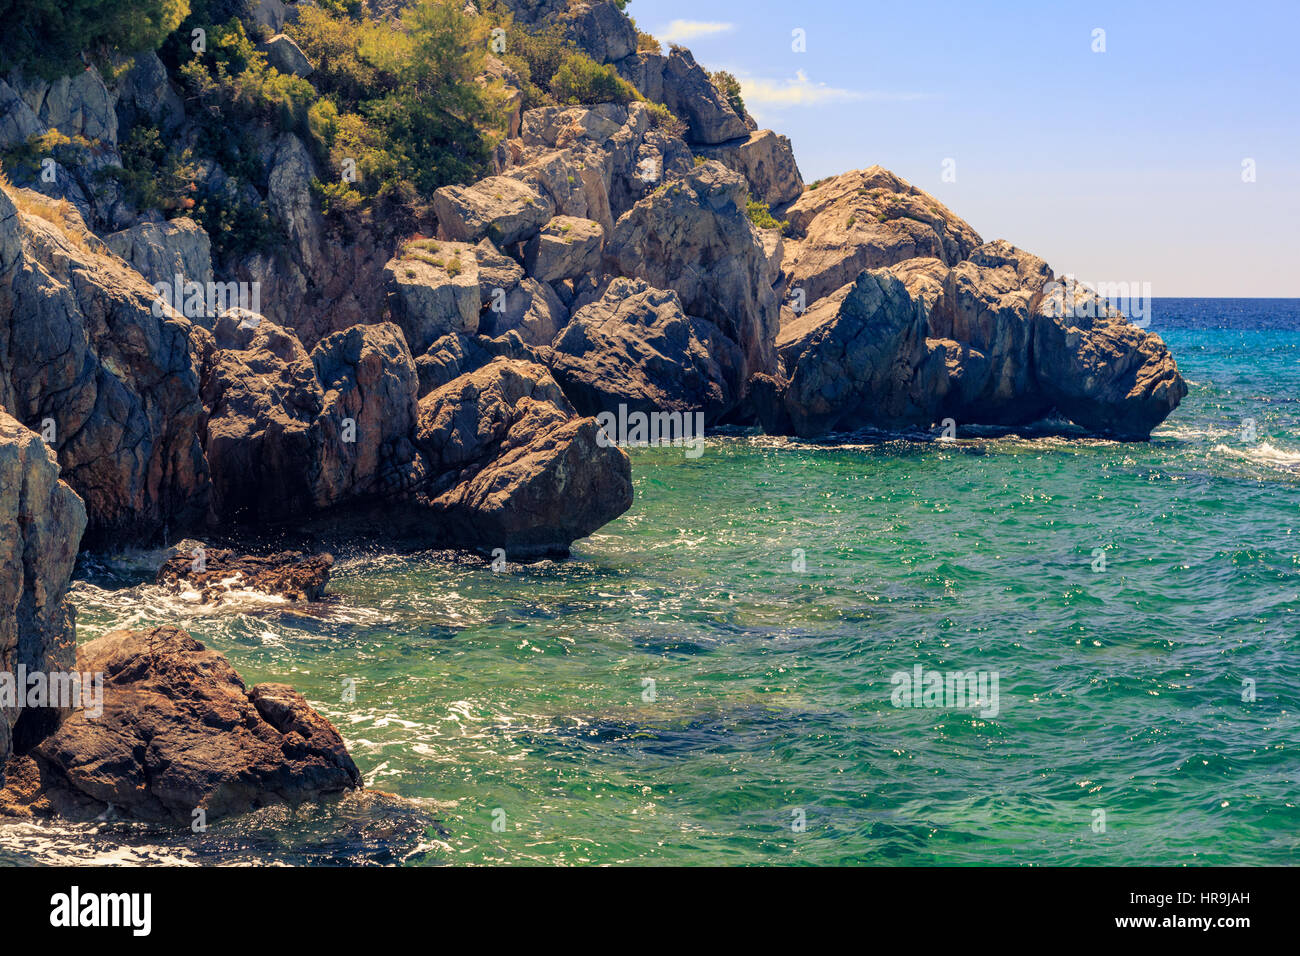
(614, 254)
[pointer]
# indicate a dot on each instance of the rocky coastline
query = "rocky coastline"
(446, 386)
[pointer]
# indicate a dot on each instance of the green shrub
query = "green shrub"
(730, 87)
(580, 79)
(760, 214)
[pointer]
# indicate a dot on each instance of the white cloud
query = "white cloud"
(680, 31)
(765, 93)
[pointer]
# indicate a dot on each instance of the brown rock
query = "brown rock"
(517, 470)
(217, 572)
(866, 219)
(178, 733)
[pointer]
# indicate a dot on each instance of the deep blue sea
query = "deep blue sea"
(712, 677)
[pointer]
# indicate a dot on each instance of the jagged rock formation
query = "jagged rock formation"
(994, 340)
(179, 733)
(767, 162)
(895, 311)
(694, 237)
(866, 219)
(635, 346)
(85, 355)
(519, 471)
(41, 521)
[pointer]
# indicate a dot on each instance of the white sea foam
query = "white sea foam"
(1263, 453)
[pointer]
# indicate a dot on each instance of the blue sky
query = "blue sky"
(1123, 165)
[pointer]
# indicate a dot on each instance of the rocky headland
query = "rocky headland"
(436, 353)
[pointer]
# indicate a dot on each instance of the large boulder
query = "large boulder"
(433, 290)
(179, 734)
(41, 521)
(693, 236)
(565, 248)
(285, 56)
(766, 160)
(594, 162)
(160, 251)
(600, 28)
(636, 347)
(146, 96)
(682, 85)
(455, 355)
(89, 353)
(531, 308)
(866, 219)
(993, 340)
(516, 469)
(1098, 369)
(500, 208)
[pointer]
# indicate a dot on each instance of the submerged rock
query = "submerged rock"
(217, 572)
(179, 733)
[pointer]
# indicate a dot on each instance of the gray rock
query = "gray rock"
(433, 289)
(288, 193)
(692, 96)
(145, 95)
(371, 388)
(636, 347)
(694, 237)
(566, 247)
(532, 309)
(18, 122)
(41, 521)
(85, 348)
(286, 56)
(500, 208)
(160, 251)
(601, 29)
(766, 160)
(866, 219)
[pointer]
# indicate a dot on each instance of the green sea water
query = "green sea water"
(708, 679)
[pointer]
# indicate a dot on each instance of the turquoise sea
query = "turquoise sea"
(714, 668)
